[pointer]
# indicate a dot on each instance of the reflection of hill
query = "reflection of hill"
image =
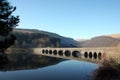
(21, 62)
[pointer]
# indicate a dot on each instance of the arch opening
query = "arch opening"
(86, 54)
(46, 51)
(55, 52)
(67, 53)
(50, 51)
(43, 51)
(75, 53)
(90, 54)
(60, 53)
(95, 55)
(99, 55)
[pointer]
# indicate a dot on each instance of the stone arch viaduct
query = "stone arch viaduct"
(94, 54)
(85, 54)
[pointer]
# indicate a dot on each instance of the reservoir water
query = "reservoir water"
(45, 68)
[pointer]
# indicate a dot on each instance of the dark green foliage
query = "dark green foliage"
(7, 20)
(10, 40)
(7, 23)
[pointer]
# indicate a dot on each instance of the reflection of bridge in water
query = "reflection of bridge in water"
(95, 55)
(86, 54)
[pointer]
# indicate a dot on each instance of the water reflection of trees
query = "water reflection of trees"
(25, 61)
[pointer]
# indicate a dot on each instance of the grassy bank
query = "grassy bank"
(109, 70)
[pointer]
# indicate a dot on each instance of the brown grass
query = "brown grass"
(110, 70)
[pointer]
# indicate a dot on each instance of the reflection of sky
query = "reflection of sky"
(67, 70)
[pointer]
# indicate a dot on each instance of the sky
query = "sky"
(70, 18)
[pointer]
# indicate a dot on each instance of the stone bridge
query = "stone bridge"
(95, 55)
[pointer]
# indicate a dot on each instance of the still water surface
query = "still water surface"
(60, 70)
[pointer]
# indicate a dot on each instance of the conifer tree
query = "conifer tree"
(7, 23)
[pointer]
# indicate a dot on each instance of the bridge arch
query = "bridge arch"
(86, 54)
(55, 52)
(60, 52)
(67, 53)
(95, 55)
(75, 53)
(46, 51)
(43, 51)
(50, 52)
(99, 55)
(90, 55)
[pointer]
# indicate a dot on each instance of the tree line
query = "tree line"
(33, 40)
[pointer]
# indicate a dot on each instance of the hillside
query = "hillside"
(102, 41)
(81, 42)
(114, 36)
(30, 38)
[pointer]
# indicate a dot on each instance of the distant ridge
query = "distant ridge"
(114, 35)
(111, 40)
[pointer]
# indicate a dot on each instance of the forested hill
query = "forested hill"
(30, 38)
